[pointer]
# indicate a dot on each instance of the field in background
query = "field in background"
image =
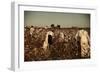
(68, 49)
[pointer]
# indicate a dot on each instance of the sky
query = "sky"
(41, 19)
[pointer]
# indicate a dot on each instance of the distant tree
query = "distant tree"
(58, 26)
(52, 25)
(32, 26)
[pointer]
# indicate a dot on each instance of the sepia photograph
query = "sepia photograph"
(56, 36)
(49, 37)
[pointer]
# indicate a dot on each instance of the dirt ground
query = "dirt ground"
(67, 49)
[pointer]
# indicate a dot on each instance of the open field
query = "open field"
(67, 49)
